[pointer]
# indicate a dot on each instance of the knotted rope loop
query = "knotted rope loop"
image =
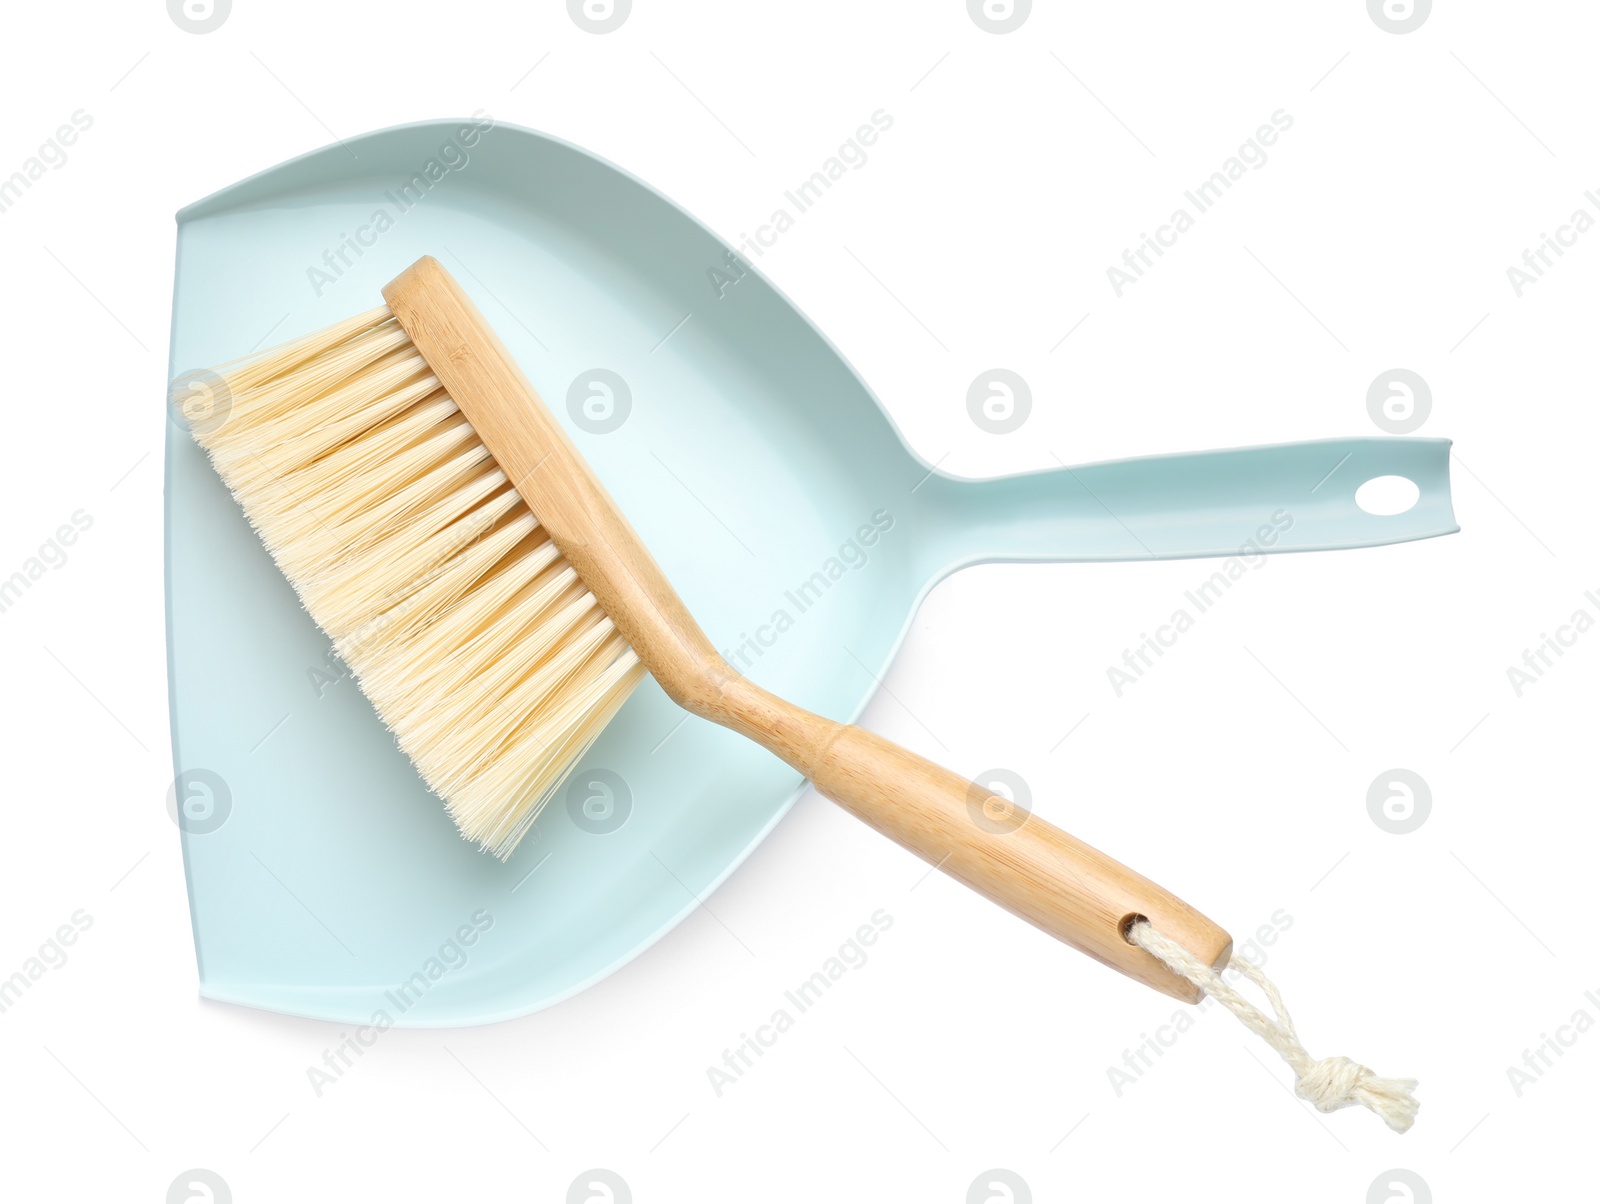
(1329, 1084)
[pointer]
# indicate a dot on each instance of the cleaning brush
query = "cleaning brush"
(497, 608)
(473, 637)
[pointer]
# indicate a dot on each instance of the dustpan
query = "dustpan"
(324, 880)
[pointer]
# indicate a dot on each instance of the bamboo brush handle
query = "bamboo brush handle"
(1004, 852)
(1030, 867)
(1037, 871)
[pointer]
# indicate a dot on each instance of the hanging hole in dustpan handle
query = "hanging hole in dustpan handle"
(1388, 495)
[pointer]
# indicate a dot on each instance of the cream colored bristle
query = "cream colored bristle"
(480, 647)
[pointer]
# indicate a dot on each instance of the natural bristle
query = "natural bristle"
(476, 641)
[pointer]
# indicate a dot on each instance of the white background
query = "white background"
(1019, 167)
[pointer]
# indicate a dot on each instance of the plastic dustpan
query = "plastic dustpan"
(323, 878)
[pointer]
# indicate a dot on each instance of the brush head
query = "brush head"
(475, 639)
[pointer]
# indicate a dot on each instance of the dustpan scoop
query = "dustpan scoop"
(323, 879)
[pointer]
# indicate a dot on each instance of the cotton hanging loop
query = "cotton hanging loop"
(1329, 1084)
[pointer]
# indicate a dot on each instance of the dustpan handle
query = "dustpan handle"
(1248, 503)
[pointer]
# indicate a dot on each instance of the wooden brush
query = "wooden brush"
(497, 608)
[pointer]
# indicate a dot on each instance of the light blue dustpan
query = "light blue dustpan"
(324, 880)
